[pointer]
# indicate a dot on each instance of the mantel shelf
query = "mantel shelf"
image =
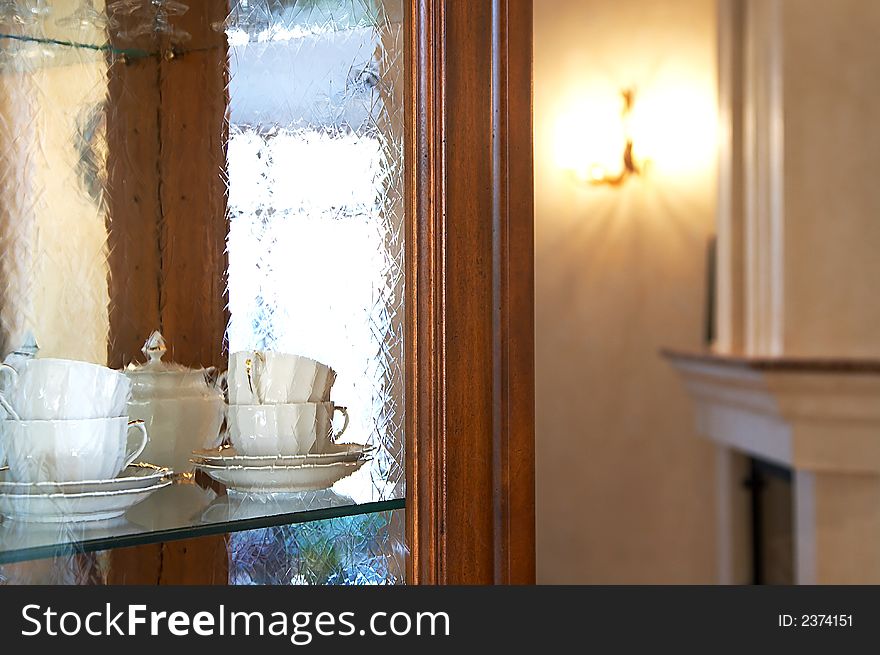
(180, 511)
(806, 414)
(820, 418)
(790, 364)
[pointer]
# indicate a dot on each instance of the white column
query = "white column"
(798, 230)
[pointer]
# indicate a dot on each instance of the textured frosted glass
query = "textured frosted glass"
(53, 215)
(315, 170)
(315, 165)
(315, 244)
(83, 569)
(345, 551)
(53, 231)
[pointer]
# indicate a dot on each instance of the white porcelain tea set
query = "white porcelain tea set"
(279, 423)
(73, 430)
(183, 408)
(69, 443)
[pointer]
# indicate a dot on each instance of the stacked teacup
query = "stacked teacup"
(66, 421)
(279, 405)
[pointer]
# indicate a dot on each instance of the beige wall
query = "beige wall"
(830, 64)
(624, 486)
(798, 218)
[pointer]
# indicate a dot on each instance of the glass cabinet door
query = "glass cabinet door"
(316, 249)
(181, 181)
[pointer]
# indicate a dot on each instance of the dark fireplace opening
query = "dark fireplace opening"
(772, 522)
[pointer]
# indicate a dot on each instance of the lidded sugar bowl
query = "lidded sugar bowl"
(182, 407)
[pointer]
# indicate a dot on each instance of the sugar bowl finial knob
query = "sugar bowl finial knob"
(155, 347)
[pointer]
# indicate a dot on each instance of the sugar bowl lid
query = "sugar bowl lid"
(159, 378)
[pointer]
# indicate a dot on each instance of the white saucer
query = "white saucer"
(304, 477)
(74, 507)
(135, 476)
(227, 456)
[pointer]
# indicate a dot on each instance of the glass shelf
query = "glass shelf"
(180, 511)
(61, 43)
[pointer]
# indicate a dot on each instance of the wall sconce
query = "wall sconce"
(599, 175)
(603, 135)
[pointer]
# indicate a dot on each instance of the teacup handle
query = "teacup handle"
(7, 370)
(144, 439)
(344, 410)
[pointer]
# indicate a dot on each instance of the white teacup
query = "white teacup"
(62, 389)
(283, 429)
(70, 451)
(271, 378)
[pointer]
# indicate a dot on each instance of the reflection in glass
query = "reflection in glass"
(53, 218)
(151, 18)
(86, 16)
(23, 12)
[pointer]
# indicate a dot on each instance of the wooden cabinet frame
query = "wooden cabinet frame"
(469, 336)
(470, 367)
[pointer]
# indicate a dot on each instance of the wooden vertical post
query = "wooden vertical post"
(470, 367)
(166, 137)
